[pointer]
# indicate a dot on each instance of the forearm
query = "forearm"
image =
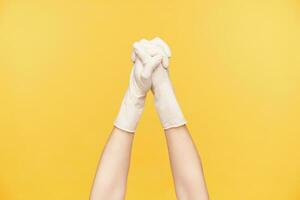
(186, 165)
(111, 177)
(185, 162)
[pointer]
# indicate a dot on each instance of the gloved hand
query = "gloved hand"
(139, 84)
(165, 100)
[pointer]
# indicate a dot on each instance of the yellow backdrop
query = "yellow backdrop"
(65, 67)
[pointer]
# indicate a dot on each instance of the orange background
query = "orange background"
(64, 68)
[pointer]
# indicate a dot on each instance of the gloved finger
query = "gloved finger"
(133, 56)
(151, 65)
(141, 53)
(151, 50)
(144, 42)
(165, 62)
(138, 67)
(159, 42)
(155, 50)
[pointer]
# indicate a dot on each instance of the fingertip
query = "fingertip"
(144, 42)
(156, 39)
(165, 62)
(136, 45)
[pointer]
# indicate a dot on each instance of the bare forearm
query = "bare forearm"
(186, 165)
(111, 177)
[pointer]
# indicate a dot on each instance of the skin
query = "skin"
(186, 165)
(111, 177)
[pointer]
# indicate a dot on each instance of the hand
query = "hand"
(165, 100)
(139, 84)
(141, 75)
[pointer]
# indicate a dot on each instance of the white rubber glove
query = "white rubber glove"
(139, 84)
(165, 100)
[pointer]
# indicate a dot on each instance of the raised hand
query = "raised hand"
(165, 100)
(139, 84)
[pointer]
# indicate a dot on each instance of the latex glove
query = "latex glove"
(152, 50)
(139, 84)
(165, 100)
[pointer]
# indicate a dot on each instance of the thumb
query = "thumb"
(151, 66)
(140, 52)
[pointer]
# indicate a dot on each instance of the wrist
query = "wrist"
(130, 111)
(168, 107)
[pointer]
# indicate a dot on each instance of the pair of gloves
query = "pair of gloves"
(150, 71)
